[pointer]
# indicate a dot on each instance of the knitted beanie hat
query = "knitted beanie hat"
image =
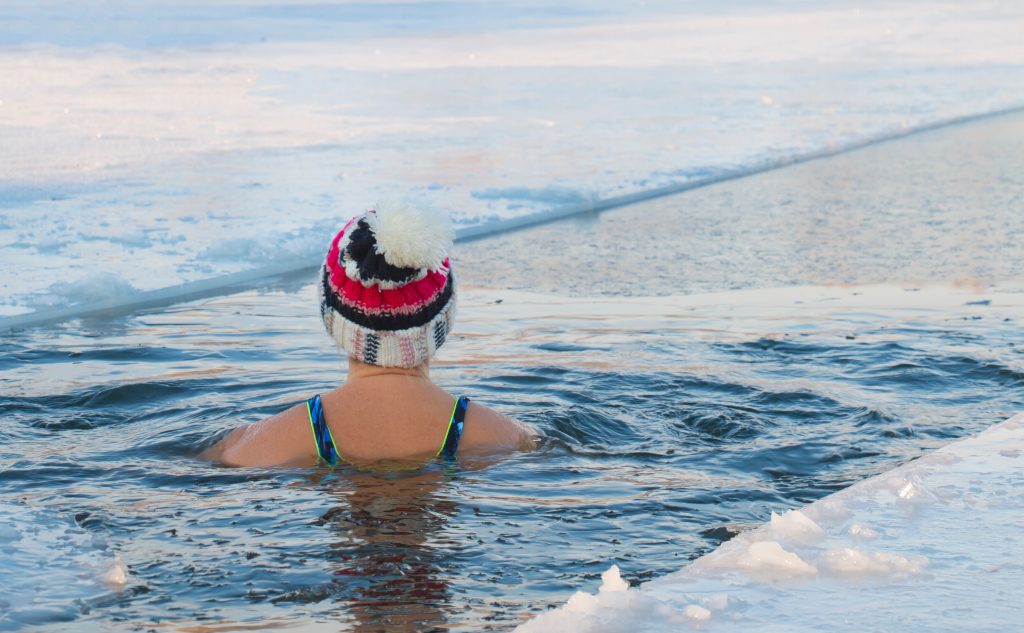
(387, 294)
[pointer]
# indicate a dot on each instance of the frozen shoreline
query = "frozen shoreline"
(933, 545)
(113, 297)
(181, 160)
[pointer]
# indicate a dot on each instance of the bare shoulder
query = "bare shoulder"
(282, 439)
(486, 429)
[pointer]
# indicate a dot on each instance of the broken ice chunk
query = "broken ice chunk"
(767, 560)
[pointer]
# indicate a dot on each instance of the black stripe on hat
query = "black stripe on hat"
(371, 348)
(362, 249)
(386, 322)
(440, 330)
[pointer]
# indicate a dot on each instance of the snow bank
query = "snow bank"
(944, 533)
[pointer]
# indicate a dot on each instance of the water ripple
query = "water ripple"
(655, 449)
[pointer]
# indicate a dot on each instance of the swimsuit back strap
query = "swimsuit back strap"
(455, 424)
(326, 450)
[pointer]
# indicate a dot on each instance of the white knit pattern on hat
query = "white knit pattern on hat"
(397, 348)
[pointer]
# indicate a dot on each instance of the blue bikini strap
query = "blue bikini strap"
(455, 424)
(326, 449)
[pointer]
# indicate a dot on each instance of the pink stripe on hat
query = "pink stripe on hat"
(387, 272)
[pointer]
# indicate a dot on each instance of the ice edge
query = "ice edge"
(246, 280)
(583, 612)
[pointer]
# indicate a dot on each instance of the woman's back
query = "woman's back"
(378, 414)
(398, 417)
(387, 298)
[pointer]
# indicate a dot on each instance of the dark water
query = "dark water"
(666, 429)
(668, 423)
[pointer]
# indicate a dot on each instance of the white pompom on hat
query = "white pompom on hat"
(387, 295)
(412, 237)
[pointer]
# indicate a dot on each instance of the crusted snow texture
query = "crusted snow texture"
(793, 526)
(410, 236)
(767, 560)
(851, 562)
(964, 503)
(611, 580)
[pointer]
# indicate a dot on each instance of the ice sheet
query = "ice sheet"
(165, 145)
(931, 546)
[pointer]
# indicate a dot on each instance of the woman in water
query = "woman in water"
(387, 298)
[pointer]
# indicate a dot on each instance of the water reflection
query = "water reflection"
(670, 423)
(387, 568)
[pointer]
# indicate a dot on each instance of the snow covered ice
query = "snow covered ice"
(171, 142)
(794, 526)
(931, 546)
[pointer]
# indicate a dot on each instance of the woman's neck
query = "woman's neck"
(359, 371)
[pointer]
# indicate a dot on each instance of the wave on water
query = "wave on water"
(53, 568)
(691, 416)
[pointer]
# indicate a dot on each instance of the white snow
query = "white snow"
(767, 561)
(859, 531)
(697, 612)
(612, 581)
(849, 562)
(947, 558)
(914, 494)
(92, 287)
(794, 526)
(168, 155)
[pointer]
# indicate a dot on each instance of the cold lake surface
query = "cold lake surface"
(672, 416)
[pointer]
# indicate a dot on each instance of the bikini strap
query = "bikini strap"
(326, 449)
(455, 424)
